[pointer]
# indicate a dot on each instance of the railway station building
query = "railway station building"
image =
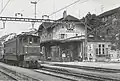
(66, 41)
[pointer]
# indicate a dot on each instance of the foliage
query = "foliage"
(93, 21)
(108, 31)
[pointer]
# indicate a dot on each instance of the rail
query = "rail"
(79, 75)
(16, 76)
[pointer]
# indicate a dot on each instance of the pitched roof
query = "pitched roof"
(110, 12)
(71, 18)
(93, 39)
(47, 25)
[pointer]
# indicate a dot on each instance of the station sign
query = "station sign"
(70, 26)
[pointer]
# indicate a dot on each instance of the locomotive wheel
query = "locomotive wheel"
(38, 65)
(20, 64)
(27, 65)
(23, 64)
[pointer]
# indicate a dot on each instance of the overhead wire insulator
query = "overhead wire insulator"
(33, 23)
(3, 25)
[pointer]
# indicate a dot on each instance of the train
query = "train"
(22, 50)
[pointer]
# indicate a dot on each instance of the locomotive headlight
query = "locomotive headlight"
(25, 52)
(30, 42)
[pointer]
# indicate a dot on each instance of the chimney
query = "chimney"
(64, 14)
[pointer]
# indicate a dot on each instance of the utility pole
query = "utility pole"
(33, 23)
(35, 3)
(85, 44)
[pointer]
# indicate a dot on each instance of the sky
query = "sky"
(46, 7)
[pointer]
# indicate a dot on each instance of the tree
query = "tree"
(93, 21)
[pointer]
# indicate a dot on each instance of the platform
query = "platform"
(31, 73)
(90, 64)
(60, 65)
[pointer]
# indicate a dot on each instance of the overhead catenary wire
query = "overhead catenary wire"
(38, 1)
(67, 6)
(4, 7)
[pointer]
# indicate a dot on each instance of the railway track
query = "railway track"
(16, 76)
(99, 69)
(60, 74)
(75, 75)
(8, 76)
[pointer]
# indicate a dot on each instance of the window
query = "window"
(103, 51)
(25, 39)
(99, 48)
(43, 49)
(62, 26)
(35, 40)
(76, 34)
(13, 50)
(30, 39)
(62, 36)
(103, 19)
(103, 47)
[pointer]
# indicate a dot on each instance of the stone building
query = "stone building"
(99, 50)
(58, 38)
(111, 30)
(110, 15)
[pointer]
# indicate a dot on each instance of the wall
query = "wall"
(92, 50)
(78, 30)
(46, 35)
(113, 54)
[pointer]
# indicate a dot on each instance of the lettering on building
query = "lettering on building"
(70, 26)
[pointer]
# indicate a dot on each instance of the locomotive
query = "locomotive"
(22, 50)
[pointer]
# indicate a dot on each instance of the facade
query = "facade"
(98, 50)
(57, 39)
(110, 15)
(111, 18)
(114, 55)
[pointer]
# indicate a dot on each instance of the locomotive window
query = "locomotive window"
(30, 39)
(35, 40)
(25, 39)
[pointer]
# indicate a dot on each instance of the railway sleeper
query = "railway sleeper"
(90, 68)
(83, 75)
